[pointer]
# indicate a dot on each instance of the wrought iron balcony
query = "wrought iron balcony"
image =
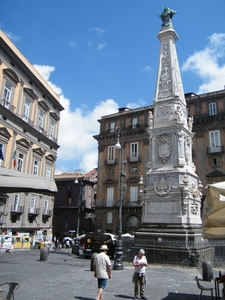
(47, 212)
(131, 159)
(111, 161)
(33, 211)
(7, 105)
(219, 149)
(17, 210)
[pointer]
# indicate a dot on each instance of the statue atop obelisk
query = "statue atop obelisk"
(172, 194)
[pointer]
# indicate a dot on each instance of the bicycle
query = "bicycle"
(192, 261)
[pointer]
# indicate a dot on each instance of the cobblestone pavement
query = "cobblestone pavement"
(65, 276)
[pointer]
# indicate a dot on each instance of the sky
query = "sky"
(100, 55)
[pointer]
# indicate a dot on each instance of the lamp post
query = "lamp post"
(118, 261)
(78, 172)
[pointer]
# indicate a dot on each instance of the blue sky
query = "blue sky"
(100, 55)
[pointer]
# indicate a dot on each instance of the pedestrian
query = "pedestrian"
(67, 244)
(139, 278)
(102, 270)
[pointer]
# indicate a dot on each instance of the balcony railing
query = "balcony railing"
(22, 116)
(111, 161)
(47, 212)
(27, 120)
(18, 210)
(134, 158)
(33, 211)
(219, 149)
(7, 105)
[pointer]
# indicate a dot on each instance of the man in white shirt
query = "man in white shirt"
(140, 263)
(102, 270)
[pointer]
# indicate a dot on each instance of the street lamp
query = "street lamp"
(78, 172)
(118, 261)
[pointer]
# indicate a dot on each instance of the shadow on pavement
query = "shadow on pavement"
(83, 298)
(124, 296)
(178, 296)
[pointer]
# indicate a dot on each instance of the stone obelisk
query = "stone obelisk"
(172, 190)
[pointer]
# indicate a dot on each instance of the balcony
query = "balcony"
(110, 161)
(7, 105)
(33, 211)
(27, 120)
(212, 150)
(17, 210)
(47, 213)
(131, 159)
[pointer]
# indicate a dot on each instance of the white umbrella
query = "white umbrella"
(127, 235)
(67, 238)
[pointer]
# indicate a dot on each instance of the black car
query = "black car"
(93, 241)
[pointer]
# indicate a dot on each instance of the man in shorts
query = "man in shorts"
(102, 270)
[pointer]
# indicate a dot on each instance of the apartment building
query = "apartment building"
(29, 124)
(206, 113)
(74, 208)
(120, 170)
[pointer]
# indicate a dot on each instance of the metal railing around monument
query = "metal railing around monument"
(173, 252)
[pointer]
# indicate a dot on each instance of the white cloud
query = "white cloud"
(72, 44)
(77, 128)
(208, 64)
(147, 69)
(13, 37)
(101, 46)
(97, 30)
(139, 103)
(45, 70)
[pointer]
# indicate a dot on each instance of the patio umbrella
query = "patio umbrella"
(213, 217)
(67, 238)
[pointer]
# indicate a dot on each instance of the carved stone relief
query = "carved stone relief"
(165, 82)
(164, 148)
(162, 187)
(164, 112)
(178, 88)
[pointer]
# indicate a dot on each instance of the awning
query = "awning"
(213, 217)
(12, 181)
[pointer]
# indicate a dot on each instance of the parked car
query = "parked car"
(93, 241)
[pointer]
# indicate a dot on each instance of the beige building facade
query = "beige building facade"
(29, 125)
(205, 116)
(127, 164)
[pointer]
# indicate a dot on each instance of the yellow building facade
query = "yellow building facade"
(29, 125)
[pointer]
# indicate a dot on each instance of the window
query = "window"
(1, 154)
(214, 140)
(111, 154)
(133, 151)
(35, 167)
(109, 217)
(134, 122)
(41, 121)
(26, 110)
(16, 203)
(134, 169)
(212, 108)
(133, 194)
(215, 161)
(7, 94)
(110, 171)
(110, 195)
(32, 204)
(46, 207)
(51, 129)
(20, 162)
(48, 172)
(112, 127)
